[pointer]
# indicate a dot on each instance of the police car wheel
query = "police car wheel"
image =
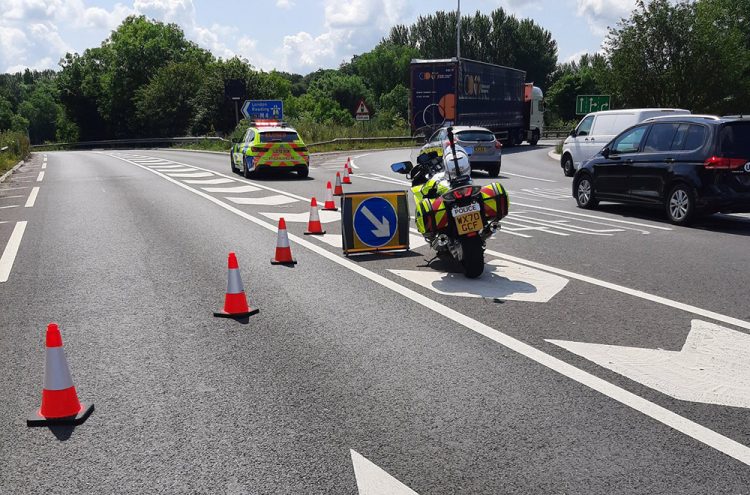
(245, 169)
(303, 172)
(231, 164)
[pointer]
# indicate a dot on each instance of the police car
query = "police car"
(269, 145)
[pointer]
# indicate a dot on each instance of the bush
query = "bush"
(18, 149)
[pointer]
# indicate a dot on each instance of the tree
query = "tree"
(385, 67)
(6, 114)
(587, 76)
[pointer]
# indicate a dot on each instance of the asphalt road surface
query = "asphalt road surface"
(603, 351)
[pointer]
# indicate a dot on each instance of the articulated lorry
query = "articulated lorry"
(466, 92)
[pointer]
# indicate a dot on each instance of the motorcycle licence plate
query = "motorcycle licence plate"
(468, 218)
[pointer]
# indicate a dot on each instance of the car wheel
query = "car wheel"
(567, 165)
(245, 169)
(585, 192)
(303, 172)
(493, 170)
(680, 204)
(231, 163)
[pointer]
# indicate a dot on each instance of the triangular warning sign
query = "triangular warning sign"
(362, 108)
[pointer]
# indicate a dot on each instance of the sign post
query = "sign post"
(374, 221)
(263, 109)
(592, 103)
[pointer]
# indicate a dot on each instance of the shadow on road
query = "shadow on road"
(62, 432)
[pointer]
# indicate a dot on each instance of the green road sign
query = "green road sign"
(591, 103)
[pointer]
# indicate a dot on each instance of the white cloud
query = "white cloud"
(285, 4)
(601, 14)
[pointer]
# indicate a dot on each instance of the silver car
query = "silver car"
(485, 152)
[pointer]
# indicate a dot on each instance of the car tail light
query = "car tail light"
(462, 193)
(727, 163)
(498, 145)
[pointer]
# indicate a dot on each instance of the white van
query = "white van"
(597, 129)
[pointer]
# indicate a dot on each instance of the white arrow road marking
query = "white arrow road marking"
(501, 280)
(669, 418)
(265, 201)
(382, 229)
(712, 367)
(372, 480)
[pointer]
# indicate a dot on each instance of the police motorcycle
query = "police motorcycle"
(454, 216)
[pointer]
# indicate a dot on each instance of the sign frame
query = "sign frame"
(263, 109)
(350, 240)
(592, 103)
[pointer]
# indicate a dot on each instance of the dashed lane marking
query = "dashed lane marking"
(669, 418)
(275, 200)
(44, 165)
(32, 197)
(9, 206)
(40, 177)
(11, 250)
(170, 171)
(503, 172)
(166, 167)
(193, 175)
(231, 190)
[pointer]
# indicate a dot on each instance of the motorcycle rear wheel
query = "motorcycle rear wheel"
(473, 256)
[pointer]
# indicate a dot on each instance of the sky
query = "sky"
(297, 36)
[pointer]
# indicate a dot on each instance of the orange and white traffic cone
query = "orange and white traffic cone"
(235, 301)
(313, 225)
(60, 405)
(347, 179)
(349, 165)
(329, 205)
(283, 250)
(337, 189)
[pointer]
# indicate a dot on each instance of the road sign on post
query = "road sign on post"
(374, 221)
(263, 109)
(591, 103)
(362, 112)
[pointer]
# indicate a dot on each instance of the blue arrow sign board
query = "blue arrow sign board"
(374, 221)
(263, 109)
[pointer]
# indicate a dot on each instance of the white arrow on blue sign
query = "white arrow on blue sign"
(263, 109)
(375, 222)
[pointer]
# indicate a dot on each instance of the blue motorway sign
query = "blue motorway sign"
(375, 221)
(263, 109)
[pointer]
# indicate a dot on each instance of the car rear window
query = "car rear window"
(278, 137)
(734, 140)
(475, 136)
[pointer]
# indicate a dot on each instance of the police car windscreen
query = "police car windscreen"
(734, 140)
(475, 136)
(278, 137)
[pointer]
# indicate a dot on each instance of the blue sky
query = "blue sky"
(293, 35)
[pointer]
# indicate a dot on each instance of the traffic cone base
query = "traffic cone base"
(36, 419)
(322, 232)
(222, 314)
(288, 262)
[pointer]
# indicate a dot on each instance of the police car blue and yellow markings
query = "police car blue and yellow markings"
(375, 222)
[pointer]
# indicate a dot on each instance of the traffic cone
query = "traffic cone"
(329, 205)
(338, 190)
(347, 179)
(283, 251)
(313, 226)
(235, 301)
(60, 404)
(349, 165)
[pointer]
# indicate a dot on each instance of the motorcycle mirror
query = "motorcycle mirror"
(402, 167)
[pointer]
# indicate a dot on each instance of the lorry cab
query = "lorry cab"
(597, 129)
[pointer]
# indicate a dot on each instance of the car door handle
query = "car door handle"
(669, 160)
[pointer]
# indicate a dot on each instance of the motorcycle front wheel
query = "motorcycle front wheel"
(473, 256)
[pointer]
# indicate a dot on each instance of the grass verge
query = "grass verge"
(18, 149)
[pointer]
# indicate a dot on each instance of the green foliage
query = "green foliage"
(586, 77)
(18, 149)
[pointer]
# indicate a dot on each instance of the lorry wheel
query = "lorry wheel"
(534, 138)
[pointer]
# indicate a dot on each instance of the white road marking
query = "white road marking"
(562, 225)
(626, 290)
(32, 197)
(220, 180)
(12, 197)
(711, 368)
(520, 227)
(167, 167)
(606, 219)
(500, 280)
(193, 175)
(13, 188)
(11, 250)
(377, 179)
(40, 177)
(9, 206)
(352, 164)
(372, 480)
(232, 190)
(503, 172)
(275, 200)
(44, 165)
(669, 418)
(325, 217)
(176, 170)
(394, 179)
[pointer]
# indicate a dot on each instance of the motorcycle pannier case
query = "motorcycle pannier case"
(494, 202)
(431, 216)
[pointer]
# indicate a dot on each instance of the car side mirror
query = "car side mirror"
(235, 140)
(605, 152)
(402, 167)
(573, 133)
